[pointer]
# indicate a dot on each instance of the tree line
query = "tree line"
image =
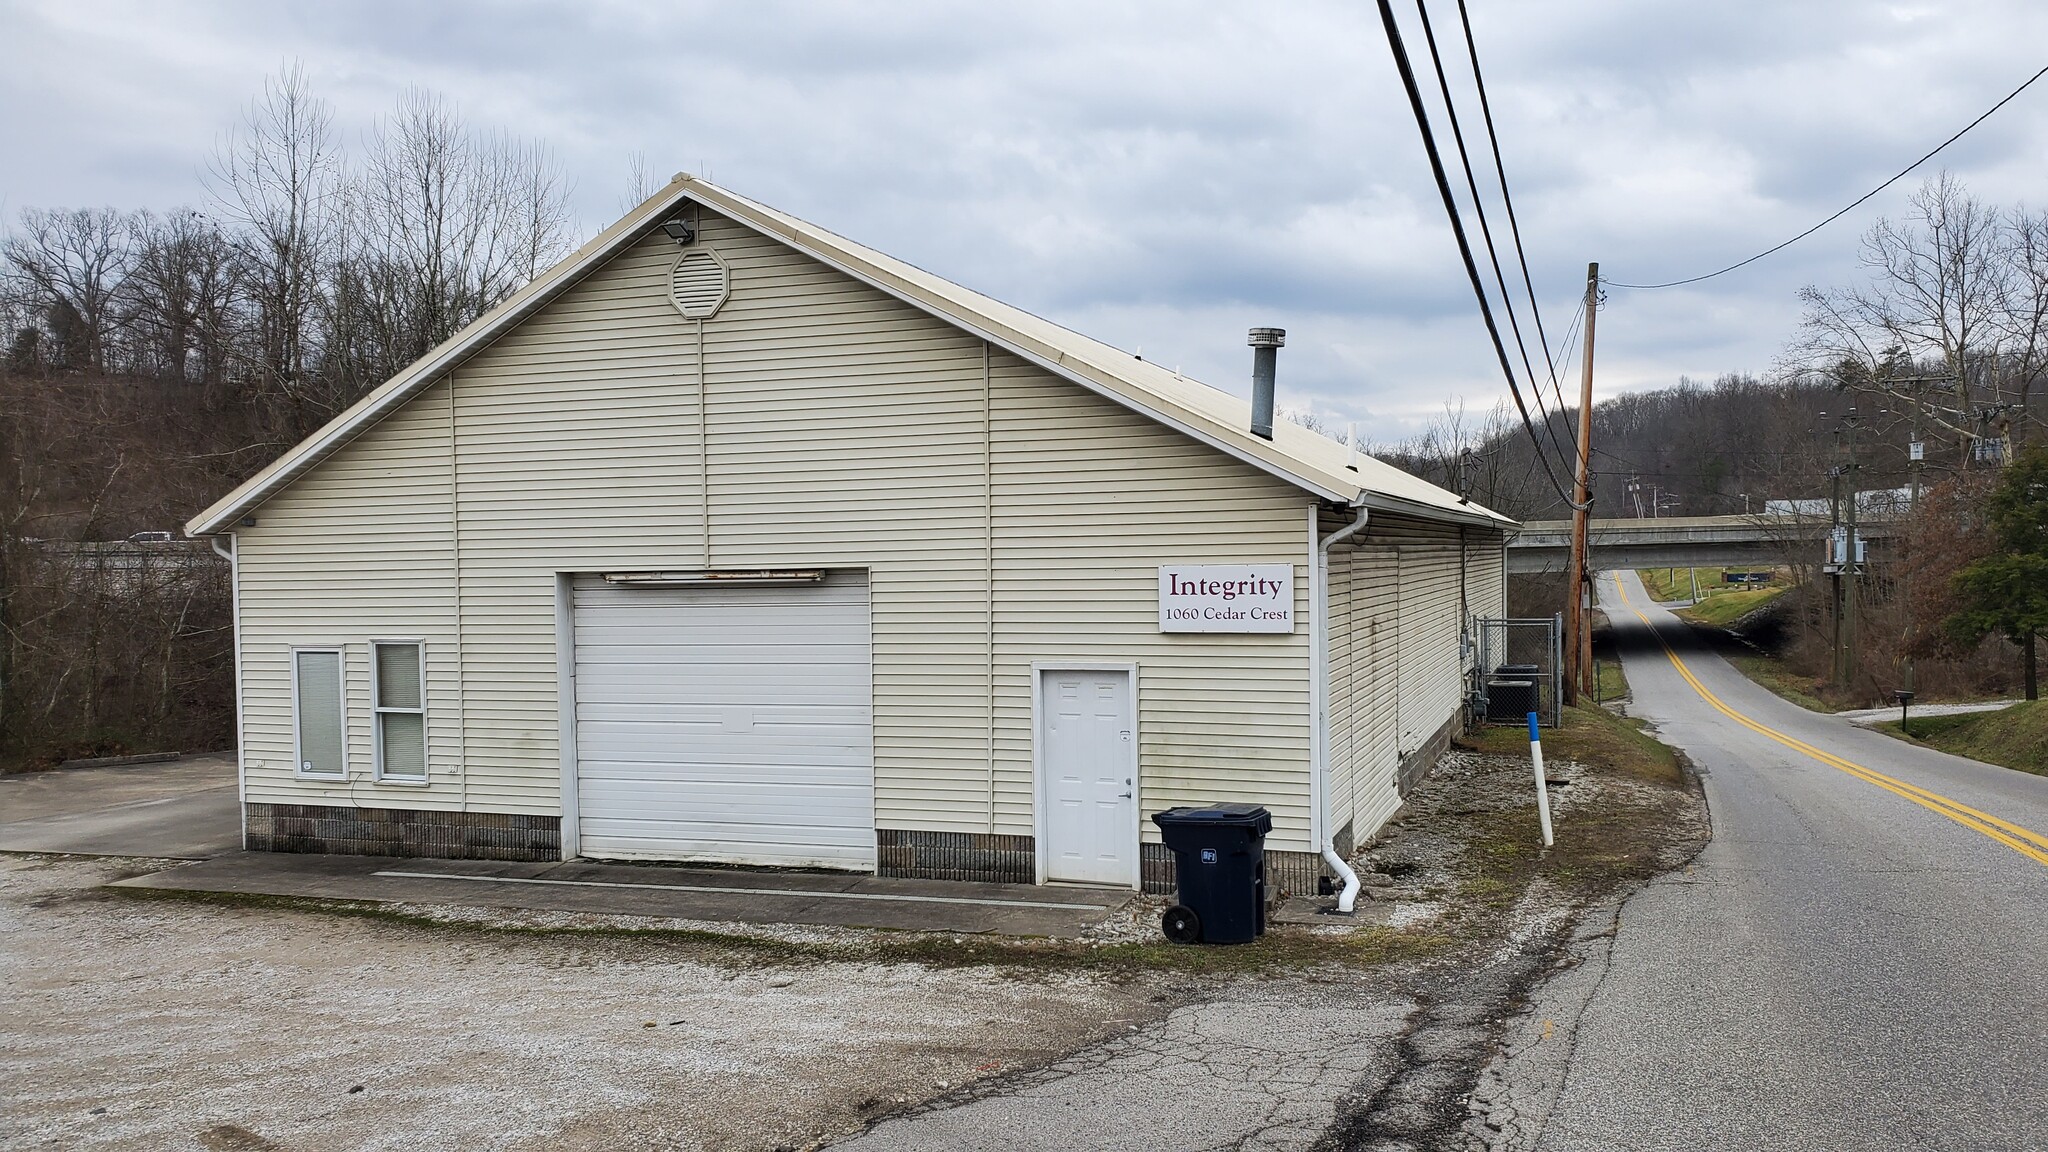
(152, 359)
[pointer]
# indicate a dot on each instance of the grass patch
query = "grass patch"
(1609, 682)
(1805, 691)
(1281, 949)
(1667, 584)
(1728, 607)
(1591, 735)
(2015, 737)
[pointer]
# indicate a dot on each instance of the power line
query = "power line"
(1443, 187)
(1901, 174)
(1479, 210)
(1514, 225)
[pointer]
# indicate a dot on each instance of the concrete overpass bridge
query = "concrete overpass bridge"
(1681, 542)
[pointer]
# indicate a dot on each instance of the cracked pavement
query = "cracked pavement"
(1261, 1068)
(1369, 1060)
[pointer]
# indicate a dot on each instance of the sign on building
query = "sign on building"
(1226, 598)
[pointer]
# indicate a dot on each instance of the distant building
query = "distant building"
(1878, 503)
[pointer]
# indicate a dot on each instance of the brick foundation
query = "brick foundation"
(956, 856)
(351, 831)
(1417, 765)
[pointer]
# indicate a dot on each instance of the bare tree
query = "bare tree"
(641, 182)
(1948, 296)
(67, 267)
(442, 224)
(181, 297)
(275, 177)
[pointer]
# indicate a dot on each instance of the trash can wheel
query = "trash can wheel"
(1181, 925)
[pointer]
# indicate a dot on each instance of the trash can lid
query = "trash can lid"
(1217, 815)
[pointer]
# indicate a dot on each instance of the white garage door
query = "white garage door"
(725, 723)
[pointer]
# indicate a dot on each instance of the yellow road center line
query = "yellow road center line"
(2022, 840)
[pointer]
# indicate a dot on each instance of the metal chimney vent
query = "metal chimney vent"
(1266, 344)
(699, 283)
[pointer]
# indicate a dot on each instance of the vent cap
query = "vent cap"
(699, 283)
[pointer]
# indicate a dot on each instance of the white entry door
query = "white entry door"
(1088, 765)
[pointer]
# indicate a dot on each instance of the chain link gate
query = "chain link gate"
(1520, 670)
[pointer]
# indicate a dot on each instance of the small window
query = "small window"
(318, 730)
(399, 699)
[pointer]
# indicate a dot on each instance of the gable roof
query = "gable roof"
(1306, 459)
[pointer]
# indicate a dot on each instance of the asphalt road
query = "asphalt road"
(1842, 968)
(184, 808)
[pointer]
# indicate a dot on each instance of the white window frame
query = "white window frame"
(378, 711)
(340, 654)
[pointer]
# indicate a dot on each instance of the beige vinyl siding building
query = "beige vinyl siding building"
(598, 516)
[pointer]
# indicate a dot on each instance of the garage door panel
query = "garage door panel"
(739, 843)
(653, 741)
(725, 723)
(737, 800)
(732, 687)
(830, 712)
(715, 763)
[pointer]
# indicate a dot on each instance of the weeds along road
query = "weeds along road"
(1859, 959)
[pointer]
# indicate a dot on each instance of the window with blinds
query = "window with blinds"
(318, 728)
(398, 697)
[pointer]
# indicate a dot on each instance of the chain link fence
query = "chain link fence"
(1520, 670)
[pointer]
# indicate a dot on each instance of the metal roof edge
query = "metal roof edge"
(1480, 516)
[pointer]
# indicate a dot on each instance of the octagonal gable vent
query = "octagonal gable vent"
(698, 284)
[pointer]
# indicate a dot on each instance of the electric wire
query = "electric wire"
(1507, 300)
(1443, 185)
(1514, 225)
(1901, 174)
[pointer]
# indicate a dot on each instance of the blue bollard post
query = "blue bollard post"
(1542, 786)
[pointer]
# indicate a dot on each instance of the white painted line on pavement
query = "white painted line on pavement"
(879, 896)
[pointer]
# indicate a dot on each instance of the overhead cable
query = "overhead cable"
(1443, 186)
(1507, 300)
(1901, 174)
(1508, 201)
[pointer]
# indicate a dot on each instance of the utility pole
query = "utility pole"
(1916, 459)
(1579, 674)
(1848, 565)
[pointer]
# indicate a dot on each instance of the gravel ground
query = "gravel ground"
(156, 1024)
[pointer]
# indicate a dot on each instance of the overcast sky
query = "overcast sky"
(1151, 175)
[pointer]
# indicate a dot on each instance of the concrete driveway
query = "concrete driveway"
(182, 809)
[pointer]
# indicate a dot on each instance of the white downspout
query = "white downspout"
(1319, 692)
(233, 555)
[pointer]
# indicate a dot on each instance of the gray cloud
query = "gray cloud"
(1155, 175)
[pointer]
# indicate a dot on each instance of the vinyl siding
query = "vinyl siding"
(1396, 653)
(358, 550)
(839, 428)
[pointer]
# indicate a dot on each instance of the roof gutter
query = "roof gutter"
(1395, 505)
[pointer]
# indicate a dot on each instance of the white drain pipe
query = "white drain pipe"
(1319, 693)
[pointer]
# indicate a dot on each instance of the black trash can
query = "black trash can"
(1219, 856)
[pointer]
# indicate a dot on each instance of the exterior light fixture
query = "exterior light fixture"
(768, 576)
(679, 230)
